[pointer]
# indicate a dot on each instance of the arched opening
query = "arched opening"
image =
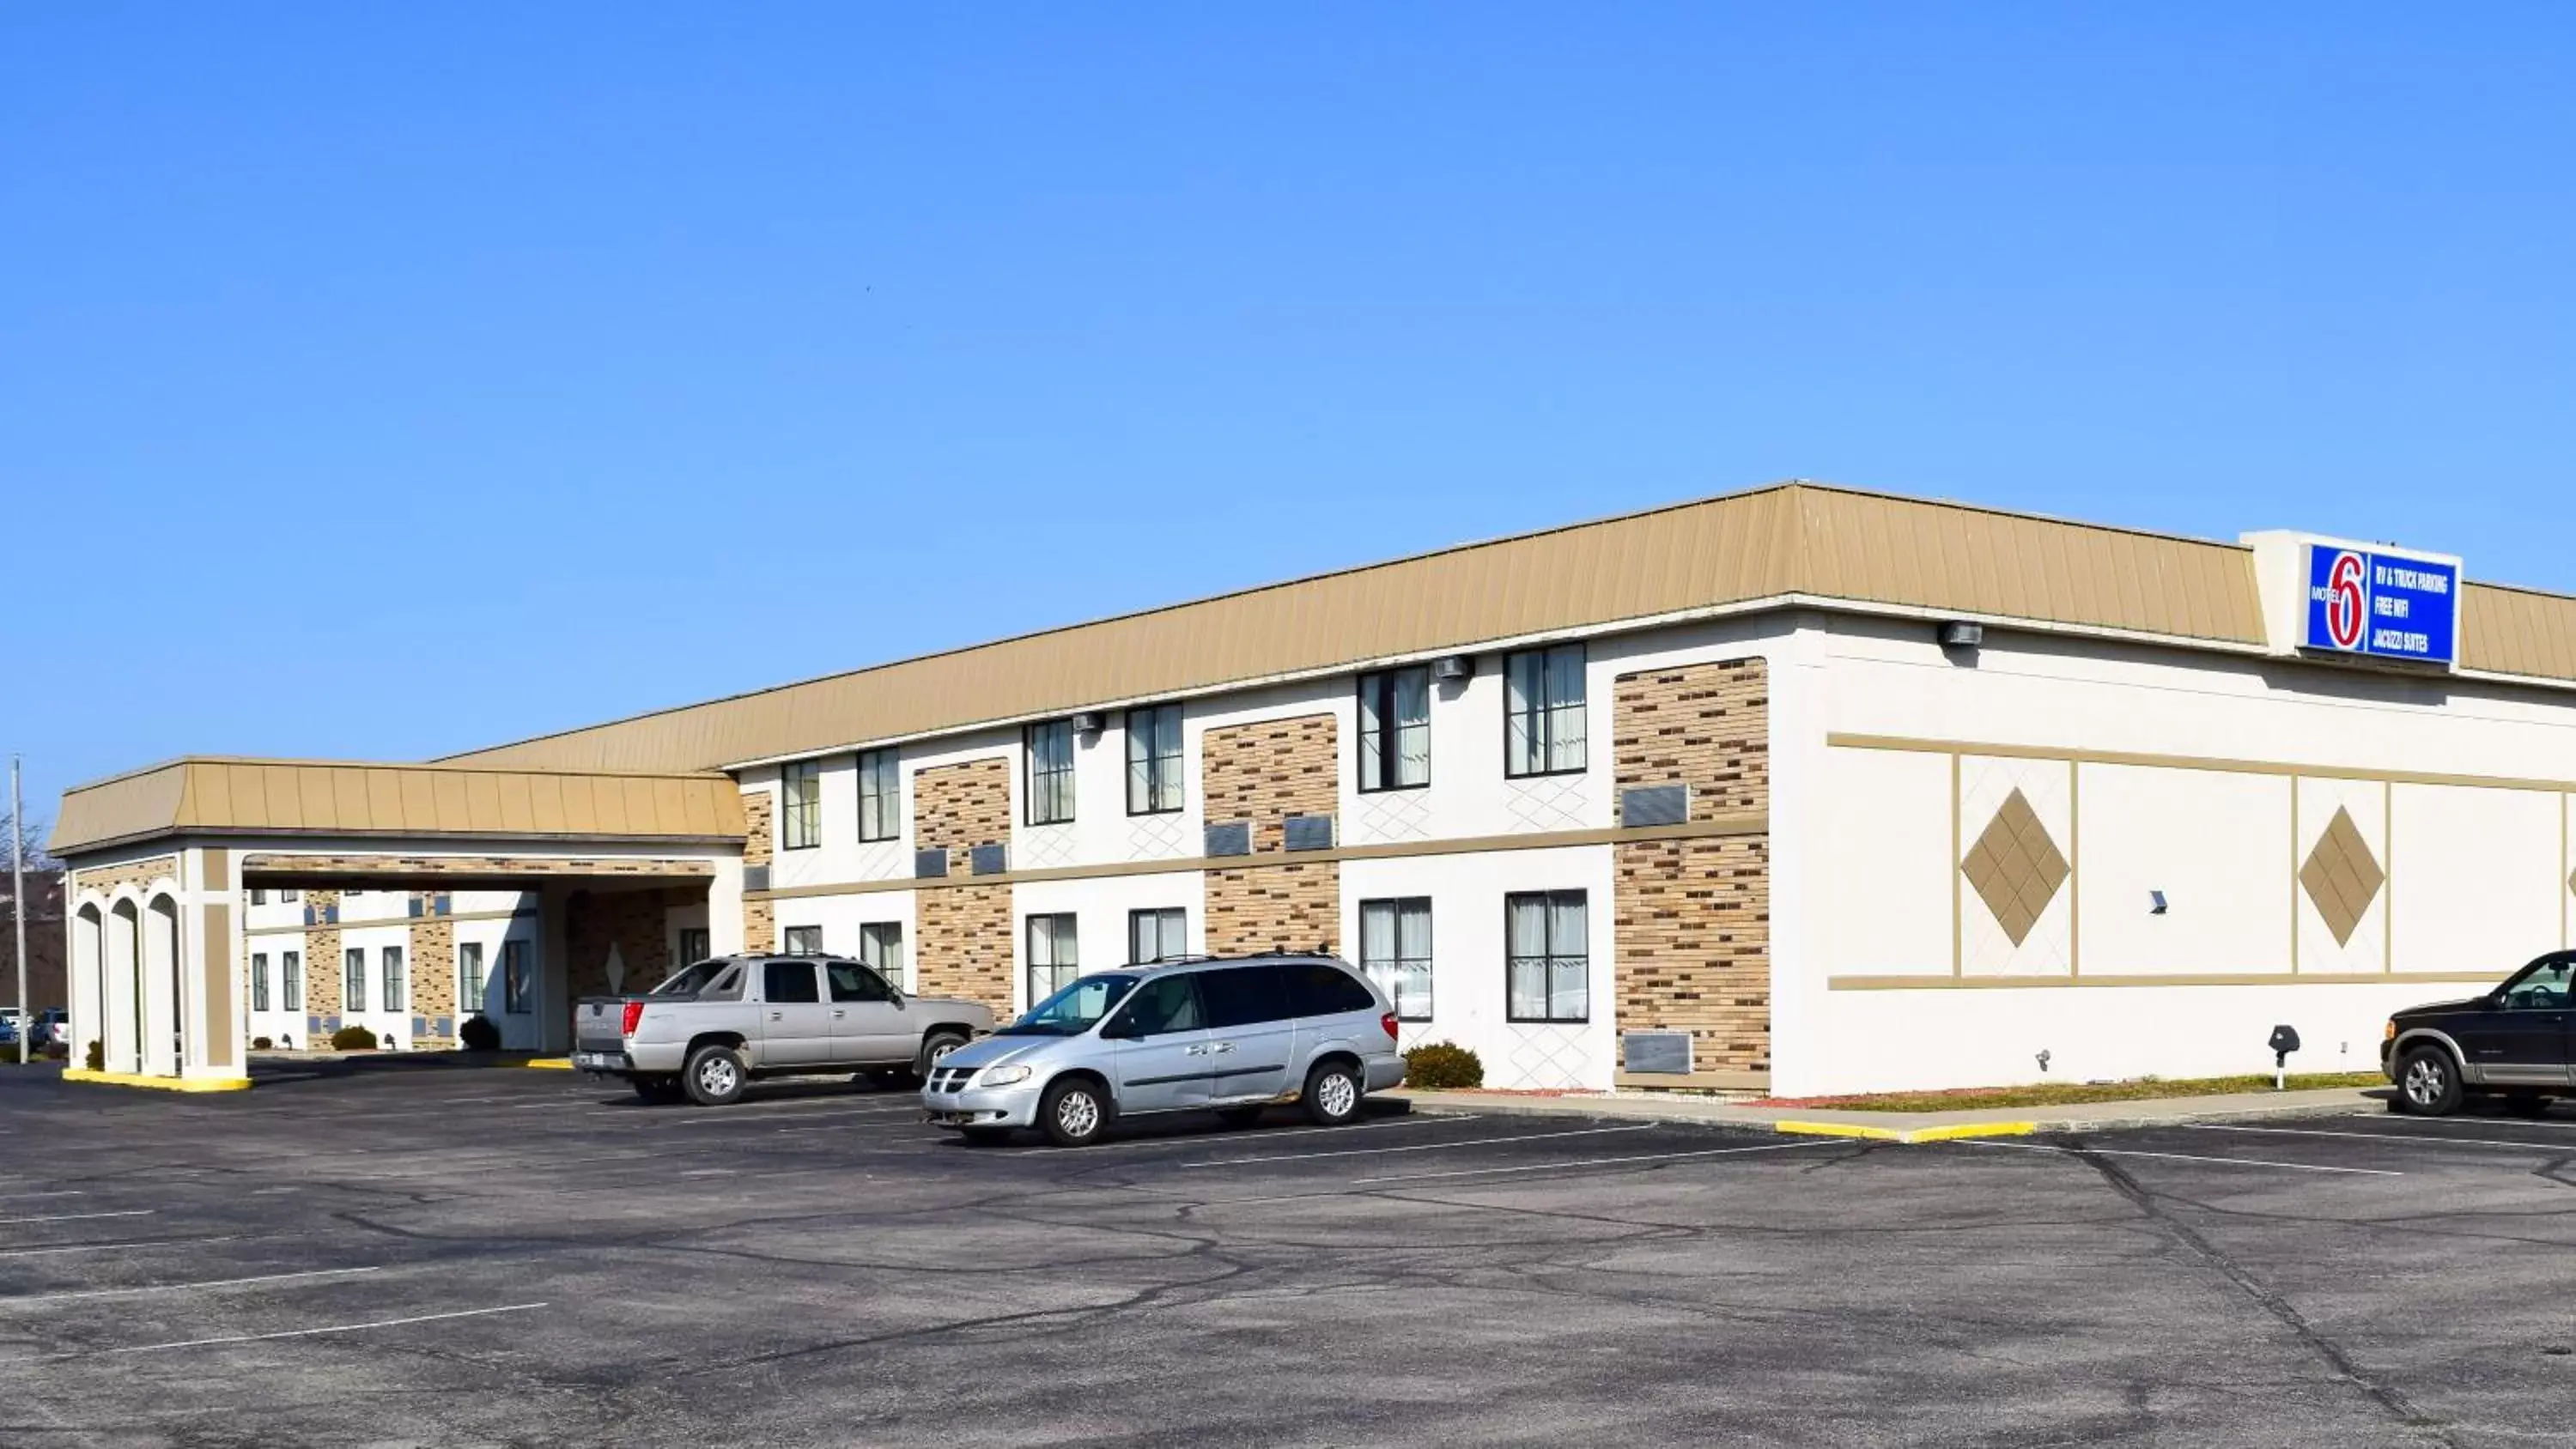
(161, 971)
(120, 1028)
(88, 985)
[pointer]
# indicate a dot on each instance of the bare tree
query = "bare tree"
(33, 833)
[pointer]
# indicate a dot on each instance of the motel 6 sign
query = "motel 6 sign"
(2381, 606)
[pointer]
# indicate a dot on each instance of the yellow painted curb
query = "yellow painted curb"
(158, 1084)
(1920, 1134)
(550, 1064)
(1836, 1129)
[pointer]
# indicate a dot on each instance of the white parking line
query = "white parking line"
(2175, 1157)
(182, 1287)
(780, 1112)
(1417, 1146)
(1607, 1161)
(80, 1217)
(24, 1196)
(313, 1332)
(2545, 1149)
(103, 1247)
(1204, 1138)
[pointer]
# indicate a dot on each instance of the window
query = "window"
(259, 981)
(881, 946)
(290, 980)
(469, 977)
(289, 897)
(1163, 1004)
(353, 980)
(694, 945)
(1395, 950)
(800, 805)
(1054, 960)
(516, 992)
(1543, 711)
(1548, 977)
(1318, 989)
(259, 897)
(855, 983)
(1157, 936)
(1395, 729)
(1050, 767)
(1154, 760)
(393, 983)
(789, 982)
(1243, 996)
(804, 940)
(2542, 988)
(880, 795)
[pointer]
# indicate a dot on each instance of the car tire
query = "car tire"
(658, 1090)
(1074, 1112)
(1238, 1116)
(934, 1046)
(715, 1076)
(2428, 1083)
(1332, 1095)
(986, 1136)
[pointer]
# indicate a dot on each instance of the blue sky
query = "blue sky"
(383, 381)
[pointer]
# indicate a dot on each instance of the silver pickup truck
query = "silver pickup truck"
(713, 1027)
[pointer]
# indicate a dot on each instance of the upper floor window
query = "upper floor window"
(1395, 729)
(804, 940)
(800, 805)
(1154, 759)
(1050, 787)
(880, 796)
(1543, 711)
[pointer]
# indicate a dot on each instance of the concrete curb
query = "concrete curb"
(157, 1084)
(1899, 1127)
(1950, 1133)
(549, 1064)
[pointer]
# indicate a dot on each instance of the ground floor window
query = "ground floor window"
(353, 980)
(393, 974)
(516, 988)
(1054, 960)
(804, 940)
(1395, 950)
(290, 980)
(881, 946)
(469, 977)
(1549, 964)
(259, 981)
(1160, 935)
(696, 945)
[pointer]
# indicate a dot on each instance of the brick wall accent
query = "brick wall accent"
(1275, 908)
(965, 944)
(1264, 771)
(370, 866)
(432, 953)
(958, 807)
(321, 960)
(1694, 916)
(759, 926)
(634, 921)
(1704, 725)
(758, 838)
(106, 878)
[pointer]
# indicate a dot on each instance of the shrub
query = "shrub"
(478, 1034)
(1443, 1066)
(261, 1044)
(95, 1058)
(353, 1039)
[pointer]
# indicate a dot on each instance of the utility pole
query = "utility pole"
(18, 905)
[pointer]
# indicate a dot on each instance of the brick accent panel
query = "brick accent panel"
(1275, 908)
(958, 807)
(1264, 771)
(759, 838)
(759, 926)
(633, 921)
(1694, 933)
(432, 953)
(106, 878)
(321, 960)
(481, 865)
(965, 944)
(1704, 725)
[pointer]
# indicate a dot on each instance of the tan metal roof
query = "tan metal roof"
(1792, 539)
(258, 797)
(2517, 631)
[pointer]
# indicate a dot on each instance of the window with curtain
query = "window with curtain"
(1548, 970)
(469, 977)
(1395, 729)
(1154, 760)
(289, 897)
(1543, 720)
(800, 805)
(881, 946)
(1395, 950)
(259, 981)
(1157, 935)
(393, 982)
(353, 980)
(1054, 959)
(804, 940)
(1050, 770)
(517, 990)
(880, 795)
(290, 980)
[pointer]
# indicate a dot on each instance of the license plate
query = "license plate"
(595, 1061)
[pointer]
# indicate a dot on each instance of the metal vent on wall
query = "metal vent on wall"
(1308, 832)
(1654, 805)
(1665, 1052)
(929, 864)
(990, 859)
(1233, 838)
(755, 877)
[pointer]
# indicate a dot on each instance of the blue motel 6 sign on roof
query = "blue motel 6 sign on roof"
(2384, 606)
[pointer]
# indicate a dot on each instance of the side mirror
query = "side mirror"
(895, 995)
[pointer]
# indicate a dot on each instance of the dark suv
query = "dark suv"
(2510, 1043)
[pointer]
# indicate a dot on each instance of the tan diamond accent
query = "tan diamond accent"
(2342, 877)
(2015, 867)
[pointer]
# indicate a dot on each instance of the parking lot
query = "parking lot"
(413, 1255)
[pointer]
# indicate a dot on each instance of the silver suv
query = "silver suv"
(1232, 1035)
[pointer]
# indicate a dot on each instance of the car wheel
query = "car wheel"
(1238, 1116)
(1073, 1113)
(987, 1136)
(715, 1076)
(1332, 1095)
(934, 1046)
(2428, 1082)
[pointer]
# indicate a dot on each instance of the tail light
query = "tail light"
(1388, 1021)
(634, 1014)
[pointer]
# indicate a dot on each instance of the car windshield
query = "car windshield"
(691, 981)
(1075, 1009)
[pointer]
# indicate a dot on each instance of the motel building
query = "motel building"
(1800, 790)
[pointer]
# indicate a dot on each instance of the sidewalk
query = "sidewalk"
(1905, 1126)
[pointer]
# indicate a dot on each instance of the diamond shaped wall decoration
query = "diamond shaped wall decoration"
(2015, 868)
(2342, 877)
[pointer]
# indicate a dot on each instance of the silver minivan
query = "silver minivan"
(1229, 1035)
